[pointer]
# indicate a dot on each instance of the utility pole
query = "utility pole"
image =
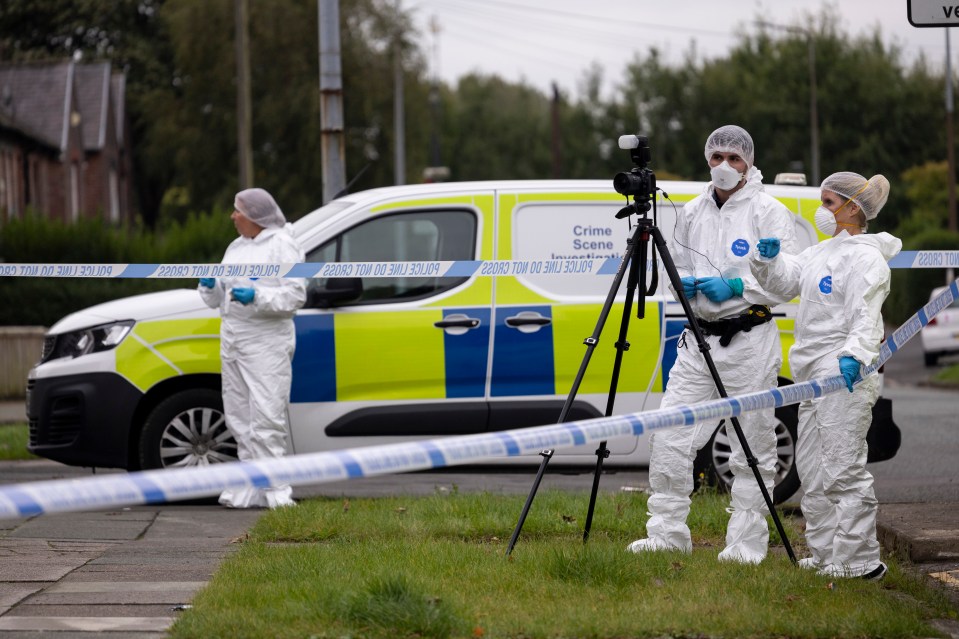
(243, 101)
(950, 149)
(950, 142)
(556, 144)
(399, 167)
(331, 100)
(435, 172)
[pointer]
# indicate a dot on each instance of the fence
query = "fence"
(20, 348)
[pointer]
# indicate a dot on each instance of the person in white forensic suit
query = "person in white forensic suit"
(715, 233)
(257, 340)
(842, 283)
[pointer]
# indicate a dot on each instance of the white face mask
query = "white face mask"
(725, 177)
(825, 221)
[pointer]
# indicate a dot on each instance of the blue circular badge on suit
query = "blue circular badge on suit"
(825, 284)
(740, 247)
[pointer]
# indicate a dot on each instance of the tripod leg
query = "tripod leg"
(637, 272)
(591, 343)
(751, 460)
(529, 499)
(601, 453)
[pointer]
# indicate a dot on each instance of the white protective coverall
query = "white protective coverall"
(256, 350)
(711, 241)
(842, 283)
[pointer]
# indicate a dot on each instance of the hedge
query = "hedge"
(201, 238)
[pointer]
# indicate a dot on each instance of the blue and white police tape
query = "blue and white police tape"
(451, 268)
(158, 486)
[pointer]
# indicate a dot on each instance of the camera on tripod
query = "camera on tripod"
(640, 181)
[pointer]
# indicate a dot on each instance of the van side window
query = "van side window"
(401, 237)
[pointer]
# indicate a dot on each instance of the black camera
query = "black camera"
(640, 182)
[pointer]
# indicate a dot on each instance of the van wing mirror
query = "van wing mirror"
(334, 291)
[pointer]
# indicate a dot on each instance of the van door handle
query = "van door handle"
(528, 321)
(459, 322)
(456, 324)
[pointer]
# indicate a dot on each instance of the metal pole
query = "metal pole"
(399, 168)
(950, 149)
(243, 100)
(332, 144)
(950, 145)
(556, 146)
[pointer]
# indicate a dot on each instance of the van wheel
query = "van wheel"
(712, 462)
(931, 358)
(187, 429)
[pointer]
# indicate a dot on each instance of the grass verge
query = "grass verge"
(948, 375)
(434, 567)
(13, 442)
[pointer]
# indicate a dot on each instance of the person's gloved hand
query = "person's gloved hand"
(849, 368)
(769, 247)
(207, 282)
(243, 295)
(689, 287)
(717, 289)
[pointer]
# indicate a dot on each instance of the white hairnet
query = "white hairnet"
(260, 207)
(731, 139)
(869, 194)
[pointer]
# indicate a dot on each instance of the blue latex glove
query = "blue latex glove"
(849, 368)
(243, 295)
(689, 287)
(207, 282)
(769, 247)
(716, 289)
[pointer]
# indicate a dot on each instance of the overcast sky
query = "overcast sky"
(542, 41)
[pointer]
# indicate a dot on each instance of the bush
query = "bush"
(200, 239)
(911, 286)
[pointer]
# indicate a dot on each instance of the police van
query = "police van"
(135, 383)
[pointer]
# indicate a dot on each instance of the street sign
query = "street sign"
(933, 13)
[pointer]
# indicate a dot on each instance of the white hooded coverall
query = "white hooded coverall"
(256, 350)
(708, 238)
(842, 283)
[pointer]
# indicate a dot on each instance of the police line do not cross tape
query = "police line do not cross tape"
(159, 486)
(451, 268)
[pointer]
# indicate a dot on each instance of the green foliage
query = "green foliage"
(199, 239)
(911, 286)
(875, 113)
(922, 228)
(408, 567)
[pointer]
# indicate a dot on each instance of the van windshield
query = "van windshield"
(319, 215)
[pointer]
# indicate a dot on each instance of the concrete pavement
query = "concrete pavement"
(124, 572)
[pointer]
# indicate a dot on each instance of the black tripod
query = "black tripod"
(645, 228)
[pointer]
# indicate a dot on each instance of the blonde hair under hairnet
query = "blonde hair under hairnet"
(260, 207)
(870, 195)
(731, 139)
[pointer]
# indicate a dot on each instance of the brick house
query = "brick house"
(63, 141)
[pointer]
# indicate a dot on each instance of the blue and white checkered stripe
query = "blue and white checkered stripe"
(113, 491)
(459, 268)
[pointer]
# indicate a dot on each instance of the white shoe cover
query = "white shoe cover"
(654, 545)
(808, 563)
(874, 573)
(740, 555)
